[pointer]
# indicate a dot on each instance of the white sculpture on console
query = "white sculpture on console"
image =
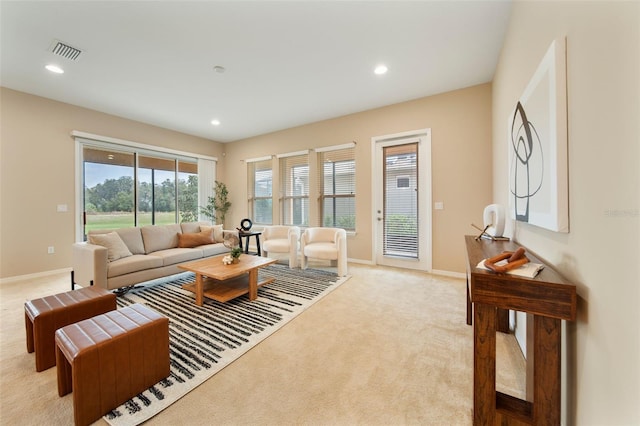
(493, 217)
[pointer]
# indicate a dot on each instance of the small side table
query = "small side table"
(247, 236)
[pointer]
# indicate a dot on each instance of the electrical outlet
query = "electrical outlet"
(439, 205)
(51, 250)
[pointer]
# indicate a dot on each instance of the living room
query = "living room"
(469, 171)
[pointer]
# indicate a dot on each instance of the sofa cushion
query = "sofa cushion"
(135, 263)
(116, 248)
(213, 249)
(190, 227)
(160, 237)
(217, 232)
(132, 238)
(177, 255)
(195, 239)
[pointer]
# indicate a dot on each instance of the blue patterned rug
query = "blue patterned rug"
(204, 340)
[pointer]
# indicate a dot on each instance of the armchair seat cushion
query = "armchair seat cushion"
(325, 251)
(280, 245)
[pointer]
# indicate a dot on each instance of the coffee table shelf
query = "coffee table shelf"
(221, 282)
(223, 291)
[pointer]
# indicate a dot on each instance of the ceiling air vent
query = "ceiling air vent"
(62, 49)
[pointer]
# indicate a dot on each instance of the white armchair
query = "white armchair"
(281, 239)
(326, 244)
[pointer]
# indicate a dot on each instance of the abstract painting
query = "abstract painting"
(537, 138)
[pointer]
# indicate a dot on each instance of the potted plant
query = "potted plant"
(218, 205)
(235, 254)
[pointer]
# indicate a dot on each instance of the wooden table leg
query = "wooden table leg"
(546, 370)
(199, 290)
(253, 284)
(469, 306)
(484, 364)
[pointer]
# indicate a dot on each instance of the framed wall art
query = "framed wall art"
(537, 139)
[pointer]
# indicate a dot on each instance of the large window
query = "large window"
(109, 188)
(294, 178)
(337, 180)
(126, 186)
(260, 179)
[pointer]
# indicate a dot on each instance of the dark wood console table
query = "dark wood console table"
(548, 298)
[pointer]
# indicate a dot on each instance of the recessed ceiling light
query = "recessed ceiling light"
(54, 68)
(220, 69)
(381, 69)
(215, 122)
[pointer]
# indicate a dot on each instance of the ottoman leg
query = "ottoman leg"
(64, 373)
(28, 325)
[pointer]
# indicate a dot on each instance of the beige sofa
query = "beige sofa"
(120, 258)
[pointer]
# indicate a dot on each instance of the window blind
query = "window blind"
(260, 181)
(337, 191)
(294, 177)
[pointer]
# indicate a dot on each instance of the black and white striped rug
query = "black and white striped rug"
(204, 340)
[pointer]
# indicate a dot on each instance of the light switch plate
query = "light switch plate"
(438, 205)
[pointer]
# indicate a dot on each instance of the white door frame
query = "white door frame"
(423, 137)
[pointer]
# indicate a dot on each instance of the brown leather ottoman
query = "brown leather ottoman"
(44, 316)
(108, 359)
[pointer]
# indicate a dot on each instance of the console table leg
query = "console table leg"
(469, 305)
(546, 374)
(484, 364)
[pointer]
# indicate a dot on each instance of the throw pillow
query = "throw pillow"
(195, 239)
(217, 232)
(116, 248)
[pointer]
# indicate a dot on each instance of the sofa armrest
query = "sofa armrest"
(89, 262)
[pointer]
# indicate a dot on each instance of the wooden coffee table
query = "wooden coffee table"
(221, 282)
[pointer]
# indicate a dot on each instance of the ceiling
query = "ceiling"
(286, 63)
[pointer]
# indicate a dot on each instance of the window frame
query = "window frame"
(252, 199)
(83, 139)
(287, 164)
(343, 154)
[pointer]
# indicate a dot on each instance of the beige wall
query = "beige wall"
(461, 161)
(35, 136)
(37, 174)
(600, 254)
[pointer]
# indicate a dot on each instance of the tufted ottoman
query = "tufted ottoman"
(44, 316)
(108, 359)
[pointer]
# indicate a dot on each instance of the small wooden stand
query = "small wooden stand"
(549, 298)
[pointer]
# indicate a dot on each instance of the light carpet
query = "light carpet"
(204, 340)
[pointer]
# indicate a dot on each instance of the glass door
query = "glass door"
(402, 197)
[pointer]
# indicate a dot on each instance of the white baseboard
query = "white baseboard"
(35, 275)
(449, 274)
(360, 261)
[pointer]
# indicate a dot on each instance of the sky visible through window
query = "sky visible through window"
(97, 173)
